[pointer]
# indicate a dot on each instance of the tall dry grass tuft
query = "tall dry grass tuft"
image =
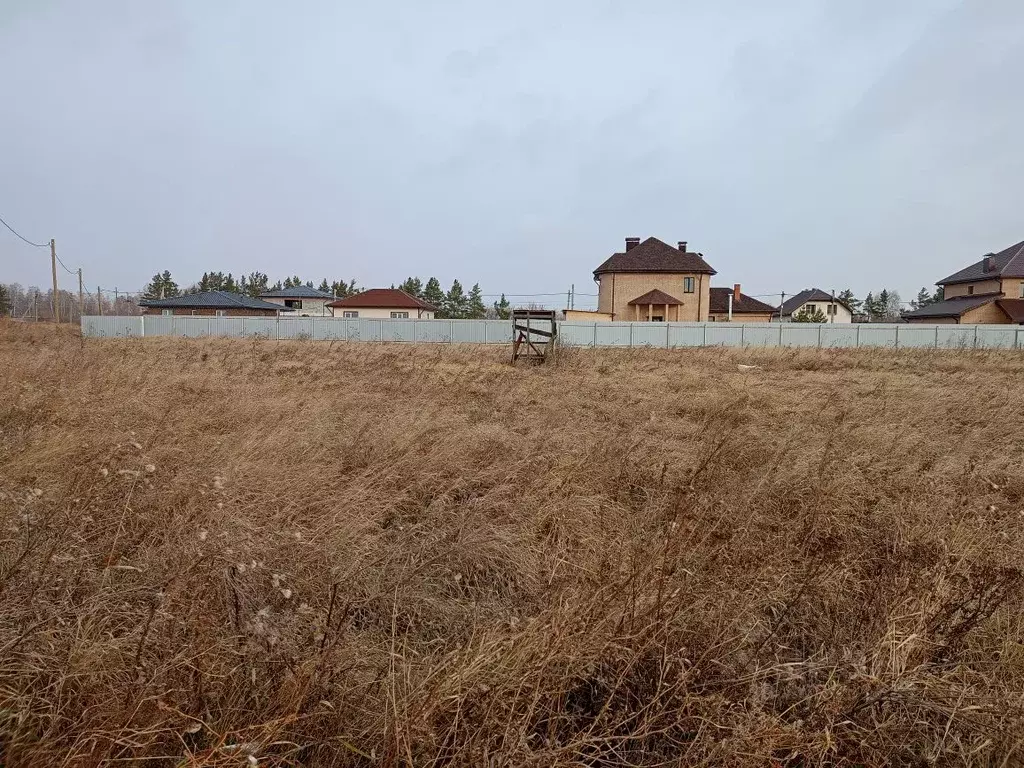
(220, 553)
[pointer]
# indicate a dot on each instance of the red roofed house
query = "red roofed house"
(744, 308)
(383, 304)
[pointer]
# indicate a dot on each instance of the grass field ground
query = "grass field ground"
(220, 553)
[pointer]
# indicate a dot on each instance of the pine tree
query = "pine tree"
(229, 284)
(870, 307)
(324, 286)
(455, 302)
(413, 286)
(5, 300)
(476, 309)
(162, 286)
(850, 300)
(939, 295)
(256, 283)
(432, 294)
(809, 315)
(288, 283)
(924, 298)
(502, 308)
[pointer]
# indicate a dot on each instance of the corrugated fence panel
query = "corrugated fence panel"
(723, 334)
(801, 334)
(686, 334)
(111, 326)
(837, 335)
(576, 333)
(613, 334)
(760, 334)
(998, 337)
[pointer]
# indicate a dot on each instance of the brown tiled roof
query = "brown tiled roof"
(1007, 263)
(809, 294)
(383, 298)
(652, 255)
(720, 303)
(952, 307)
(654, 297)
(1014, 308)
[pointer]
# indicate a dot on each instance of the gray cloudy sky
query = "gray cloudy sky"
(861, 143)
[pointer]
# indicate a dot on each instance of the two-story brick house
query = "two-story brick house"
(652, 281)
(989, 291)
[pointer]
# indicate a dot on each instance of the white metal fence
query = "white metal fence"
(580, 334)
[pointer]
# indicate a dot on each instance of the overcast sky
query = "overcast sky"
(796, 143)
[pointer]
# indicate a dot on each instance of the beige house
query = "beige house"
(302, 300)
(811, 299)
(383, 304)
(988, 291)
(744, 309)
(652, 281)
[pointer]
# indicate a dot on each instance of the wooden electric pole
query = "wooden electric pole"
(81, 295)
(53, 266)
(99, 301)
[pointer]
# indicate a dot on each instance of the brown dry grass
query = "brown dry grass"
(356, 555)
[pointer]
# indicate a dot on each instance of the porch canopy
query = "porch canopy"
(655, 303)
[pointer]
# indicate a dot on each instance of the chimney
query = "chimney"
(632, 242)
(682, 246)
(990, 263)
(736, 293)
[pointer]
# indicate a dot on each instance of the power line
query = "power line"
(37, 245)
(69, 271)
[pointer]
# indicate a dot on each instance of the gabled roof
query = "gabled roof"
(212, 299)
(1008, 263)
(1014, 308)
(720, 303)
(652, 255)
(297, 292)
(809, 294)
(655, 297)
(952, 307)
(383, 298)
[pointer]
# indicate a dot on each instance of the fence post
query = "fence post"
(667, 346)
(975, 337)
(819, 335)
(936, 337)
(595, 335)
(781, 326)
(705, 326)
(897, 337)
(277, 325)
(451, 330)
(856, 343)
(630, 335)
(742, 336)
(1016, 338)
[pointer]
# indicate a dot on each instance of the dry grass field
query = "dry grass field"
(234, 553)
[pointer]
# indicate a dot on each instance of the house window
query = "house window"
(293, 303)
(167, 312)
(399, 315)
(831, 309)
(222, 313)
(350, 313)
(657, 319)
(687, 285)
(970, 289)
(1021, 289)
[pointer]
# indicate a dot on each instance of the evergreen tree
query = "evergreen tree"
(850, 300)
(309, 283)
(432, 294)
(882, 305)
(455, 302)
(324, 286)
(255, 284)
(924, 298)
(288, 283)
(162, 286)
(870, 307)
(939, 295)
(502, 308)
(413, 286)
(476, 309)
(229, 284)
(341, 289)
(809, 315)
(5, 300)
(278, 286)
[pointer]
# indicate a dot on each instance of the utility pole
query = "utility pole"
(572, 302)
(99, 301)
(35, 306)
(832, 317)
(53, 267)
(81, 295)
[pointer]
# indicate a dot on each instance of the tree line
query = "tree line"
(455, 303)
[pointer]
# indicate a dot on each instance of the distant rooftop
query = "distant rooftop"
(297, 292)
(212, 299)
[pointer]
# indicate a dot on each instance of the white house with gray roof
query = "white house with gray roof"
(302, 300)
(812, 299)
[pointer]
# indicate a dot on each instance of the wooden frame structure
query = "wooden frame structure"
(534, 332)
